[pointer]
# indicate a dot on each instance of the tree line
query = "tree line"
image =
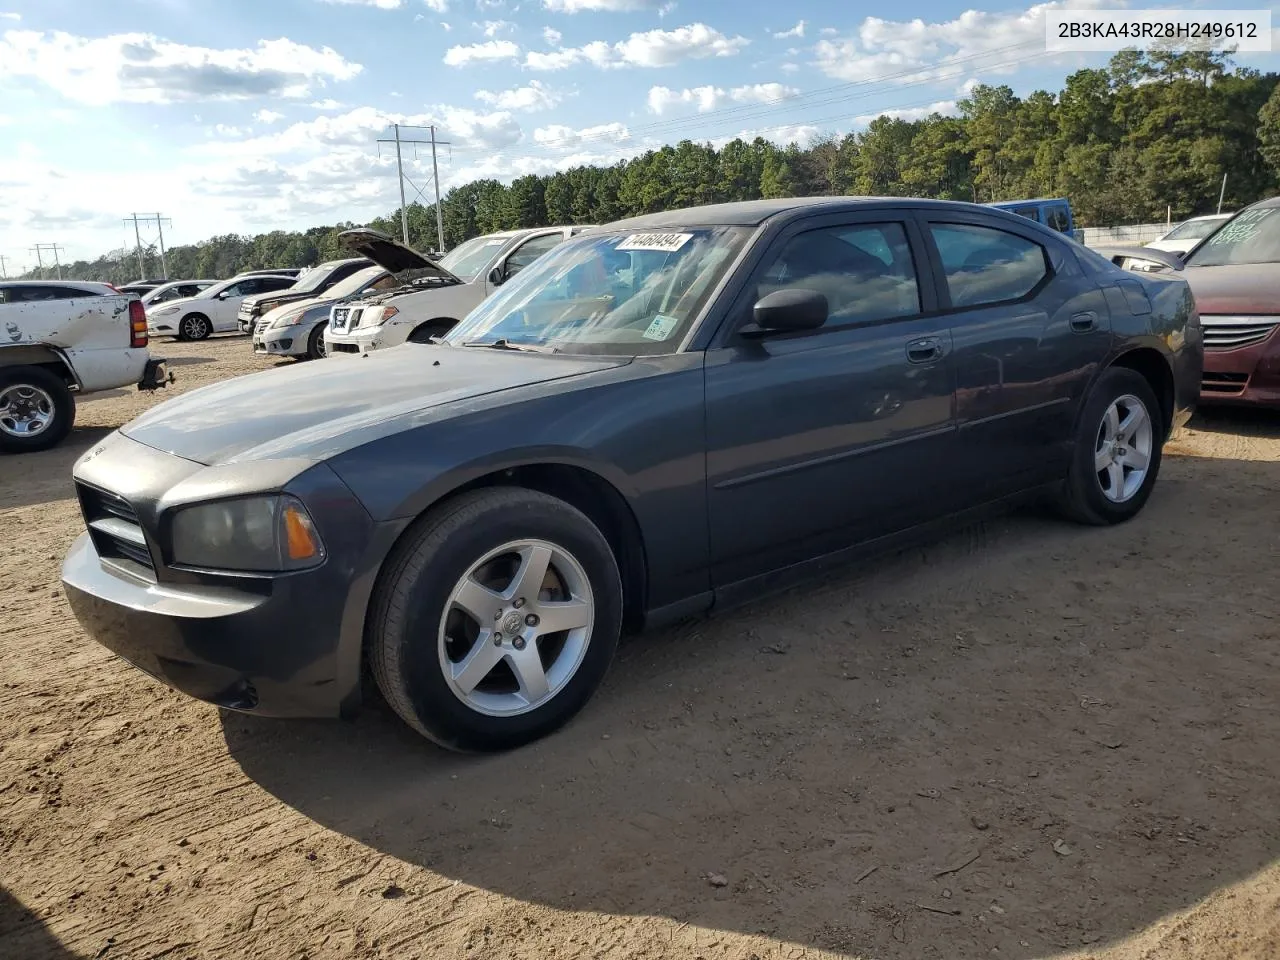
(1152, 132)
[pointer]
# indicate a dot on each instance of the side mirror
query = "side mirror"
(496, 277)
(221, 296)
(787, 311)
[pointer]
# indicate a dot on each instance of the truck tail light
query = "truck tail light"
(137, 324)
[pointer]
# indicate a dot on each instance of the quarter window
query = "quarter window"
(984, 265)
(866, 271)
(1058, 219)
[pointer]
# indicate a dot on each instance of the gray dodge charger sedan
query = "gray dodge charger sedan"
(658, 417)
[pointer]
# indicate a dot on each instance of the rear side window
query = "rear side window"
(38, 293)
(1058, 219)
(865, 271)
(984, 265)
(268, 284)
(1031, 213)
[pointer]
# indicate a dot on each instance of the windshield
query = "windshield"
(314, 279)
(468, 259)
(621, 293)
(356, 282)
(1251, 236)
(1193, 229)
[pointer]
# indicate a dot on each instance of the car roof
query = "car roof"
(77, 284)
(1269, 202)
(1018, 203)
(751, 213)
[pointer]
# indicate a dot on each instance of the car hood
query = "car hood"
(280, 309)
(316, 410)
(1235, 288)
(392, 255)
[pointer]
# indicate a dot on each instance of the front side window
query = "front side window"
(984, 265)
(622, 294)
(1058, 219)
(1251, 236)
(866, 272)
(1031, 213)
(530, 251)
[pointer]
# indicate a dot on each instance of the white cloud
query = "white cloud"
(653, 48)
(536, 96)
(967, 87)
(945, 107)
(578, 6)
(800, 133)
(380, 4)
(445, 27)
(884, 47)
(828, 31)
(560, 136)
(479, 52)
(141, 68)
(667, 8)
(439, 6)
(327, 104)
(797, 31)
(234, 133)
(10, 16)
(267, 116)
(552, 36)
(707, 98)
(789, 68)
(491, 28)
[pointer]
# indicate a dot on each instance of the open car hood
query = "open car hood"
(391, 254)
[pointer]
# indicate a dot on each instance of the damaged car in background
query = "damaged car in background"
(297, 329)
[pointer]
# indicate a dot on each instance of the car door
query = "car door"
(1028, 328)
(223, 308)
(823, 438)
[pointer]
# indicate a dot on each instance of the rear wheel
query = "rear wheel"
(36, 410)
(496, 619)
(315, 342)
(1118, 449)
(194, 326)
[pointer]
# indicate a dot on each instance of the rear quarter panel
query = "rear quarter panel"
(1172, 327)
(91, 333)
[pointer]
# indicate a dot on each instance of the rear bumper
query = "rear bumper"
(1248, 376)
(239, 649)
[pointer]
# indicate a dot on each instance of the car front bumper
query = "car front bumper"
(283, 342)
(1246, 376)
(355, 343)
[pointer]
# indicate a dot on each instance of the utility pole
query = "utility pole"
(137, 235)
(4, 271)
(1222, 193)
(435, 169)
(40, 248)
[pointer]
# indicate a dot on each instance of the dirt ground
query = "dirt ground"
(1025, 741)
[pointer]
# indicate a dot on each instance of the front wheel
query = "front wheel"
(496, 619)
(315, 342)
(36, 410)
(195, 326)
(1117, 453)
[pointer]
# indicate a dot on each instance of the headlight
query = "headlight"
(262, 534)
(288, 319)
(387, 314)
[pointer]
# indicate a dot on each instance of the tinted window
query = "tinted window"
(865, 272)
(1058, 219)
(1031, 213)
(268, 284)
(530, 251)
(986, 265)
(30, 294)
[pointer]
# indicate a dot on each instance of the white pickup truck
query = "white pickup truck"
(59, 339)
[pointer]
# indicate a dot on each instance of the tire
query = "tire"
(315, 342)
(1085, 497)
(416, 633)
(33, 392)
(432, 328)
(194, 326)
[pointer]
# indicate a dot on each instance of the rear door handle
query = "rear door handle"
(924, 350)
(1084, 322)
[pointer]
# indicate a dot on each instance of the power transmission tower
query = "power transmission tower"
(4, 270)
(40, 248)
(435, 172)
(137, 235)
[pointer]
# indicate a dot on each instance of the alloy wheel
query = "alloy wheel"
(1122, 453)
(25, 410)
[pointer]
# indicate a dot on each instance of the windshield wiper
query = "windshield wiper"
(504, 344)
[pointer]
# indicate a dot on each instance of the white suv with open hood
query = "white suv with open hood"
(433, 296)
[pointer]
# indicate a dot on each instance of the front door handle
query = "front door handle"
(1084, 322)
(924, 350)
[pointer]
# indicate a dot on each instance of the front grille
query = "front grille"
(1232, 333)
(113, 525)
(1211, 382)
(339, 320)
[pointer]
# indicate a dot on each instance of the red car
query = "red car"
(1235, 276)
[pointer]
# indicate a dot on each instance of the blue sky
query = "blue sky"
(249, 115)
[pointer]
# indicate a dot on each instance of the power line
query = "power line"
(41, 248)
(135, 219)
(404, 208)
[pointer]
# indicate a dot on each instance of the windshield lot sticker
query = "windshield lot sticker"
(666, 242)
(661, 328)
(1241, 228)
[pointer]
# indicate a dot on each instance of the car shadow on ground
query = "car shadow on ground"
(187, 361)
(25, 933)
(34, 478)
(997, 745)
(1242, 421)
